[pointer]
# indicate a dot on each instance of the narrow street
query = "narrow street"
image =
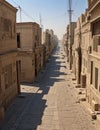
(51, 104)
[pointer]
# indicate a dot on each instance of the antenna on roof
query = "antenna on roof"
(70, 28)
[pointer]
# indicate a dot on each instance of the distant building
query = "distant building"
(64, 42)
(9, 76)
(70, 42)
(30, 50)
(85, 47)
(76, 51)
(50, 41)
(80, 49)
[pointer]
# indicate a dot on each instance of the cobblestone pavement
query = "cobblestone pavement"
(52, 104)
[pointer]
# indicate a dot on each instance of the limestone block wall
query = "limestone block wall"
(8, 56)
(8, 76)
(7, 28)
(27, 60)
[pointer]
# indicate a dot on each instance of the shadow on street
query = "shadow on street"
(28, 108)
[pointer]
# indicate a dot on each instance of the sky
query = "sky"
(53, 14)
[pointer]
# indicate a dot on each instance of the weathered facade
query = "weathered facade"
(85, 48)
(80, 49)
(70, 42)
(50, 41)
(9, 81)
(64, 42)
(76, 52)
(86, 56)
(93, 85)
(30, 50)
(72, 27)
(47, 43)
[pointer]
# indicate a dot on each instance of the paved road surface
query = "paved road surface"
(50, 105)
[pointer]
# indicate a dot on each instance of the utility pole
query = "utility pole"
(41, 25)
(70, 11)
(40, 20)
(70, 31)
(20, 13)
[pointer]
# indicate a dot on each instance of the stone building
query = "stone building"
(85, 58)
(50, 41)
(87, 40)
(70, 42)
(64, 42)
(9, 80)
(93, 93)
(76, 51)
(47, 43)
(54, 40)
(85, 47)
(30, 50)
(81, 49)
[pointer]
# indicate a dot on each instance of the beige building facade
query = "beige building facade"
(9, 81)
(76, 51)
(86, 52)
(93, 93)
(81, 49)
(49, 41)
(86, 65)
(30, 50)
(69, 42)
(86, 48)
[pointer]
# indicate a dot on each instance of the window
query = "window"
(18, 40)
(96, 78)
(99, 88)
(35, 44)
(96, 28)
(0, 84)
(6, 24)
(36, 37)
(96, 42)
(91, 78)
(32, 62)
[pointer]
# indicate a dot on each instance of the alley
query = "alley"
(51, 103)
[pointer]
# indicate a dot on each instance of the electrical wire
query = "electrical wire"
(22, 10)
(74, 5)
